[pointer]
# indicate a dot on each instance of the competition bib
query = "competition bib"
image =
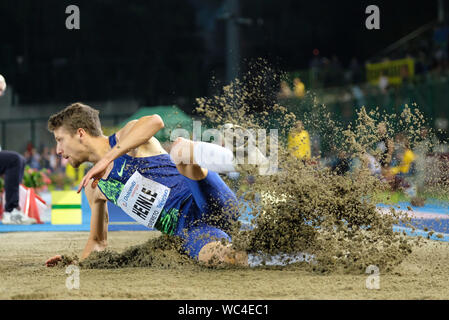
(143, 199)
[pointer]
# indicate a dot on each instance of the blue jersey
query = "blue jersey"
(161, 169)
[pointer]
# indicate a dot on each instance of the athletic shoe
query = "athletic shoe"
(243, 144)
(17, 217)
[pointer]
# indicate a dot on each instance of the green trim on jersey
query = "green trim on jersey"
(111, 189)
(168, 221)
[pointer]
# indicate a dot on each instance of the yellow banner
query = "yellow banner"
(395, 70)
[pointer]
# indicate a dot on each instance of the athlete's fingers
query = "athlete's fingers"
(95, 173)
(82, 184)
(87, 178)
(51, 264)
(53, 261)
(97, 178)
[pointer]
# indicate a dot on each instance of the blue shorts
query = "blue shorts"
(211, 215)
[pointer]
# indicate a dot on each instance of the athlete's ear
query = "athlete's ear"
(81, 133)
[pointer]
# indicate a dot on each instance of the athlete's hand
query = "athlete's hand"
(96, 172)
(53, 261)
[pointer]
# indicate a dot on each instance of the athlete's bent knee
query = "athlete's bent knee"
(180, 152)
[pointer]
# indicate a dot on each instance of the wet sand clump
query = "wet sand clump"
(161, 253)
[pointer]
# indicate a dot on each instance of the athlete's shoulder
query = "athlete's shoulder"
(149, 148)
(123, 131)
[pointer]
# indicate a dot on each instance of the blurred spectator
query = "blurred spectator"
(45, 159)
(385, 146)
(32, 158)
(53, 159)
(404, 160)
(29, 147)
(315, 65)
(336, 71)
(421, 175)
(369, 162)
(421, 64)
(440, 55)
(285, 91)
(299, 142)
(359, 96)
(383, 82)
(356, 71)
(315, 141)
(373, 165)
(298, 88)
(404, 74)
(341, 164)
(347, 108)
(401, 164)
(325, 72)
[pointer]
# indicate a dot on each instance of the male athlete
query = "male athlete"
(175, 193)
(133, 171)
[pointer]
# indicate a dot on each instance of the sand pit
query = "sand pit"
(422, 275)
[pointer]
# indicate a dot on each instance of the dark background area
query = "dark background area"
(168, 52)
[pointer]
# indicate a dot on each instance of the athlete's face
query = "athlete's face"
(70, 147)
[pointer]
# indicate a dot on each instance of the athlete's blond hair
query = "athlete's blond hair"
(76, 116)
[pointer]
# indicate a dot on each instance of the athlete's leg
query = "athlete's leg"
(240, 147)
(208, 242)
(212, 246)
(182, 155)
(194, 159)
(216, 252)
(208, 239)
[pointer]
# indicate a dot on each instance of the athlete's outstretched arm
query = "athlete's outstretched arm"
(131, 137)
(136, 135)
(98, 236)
